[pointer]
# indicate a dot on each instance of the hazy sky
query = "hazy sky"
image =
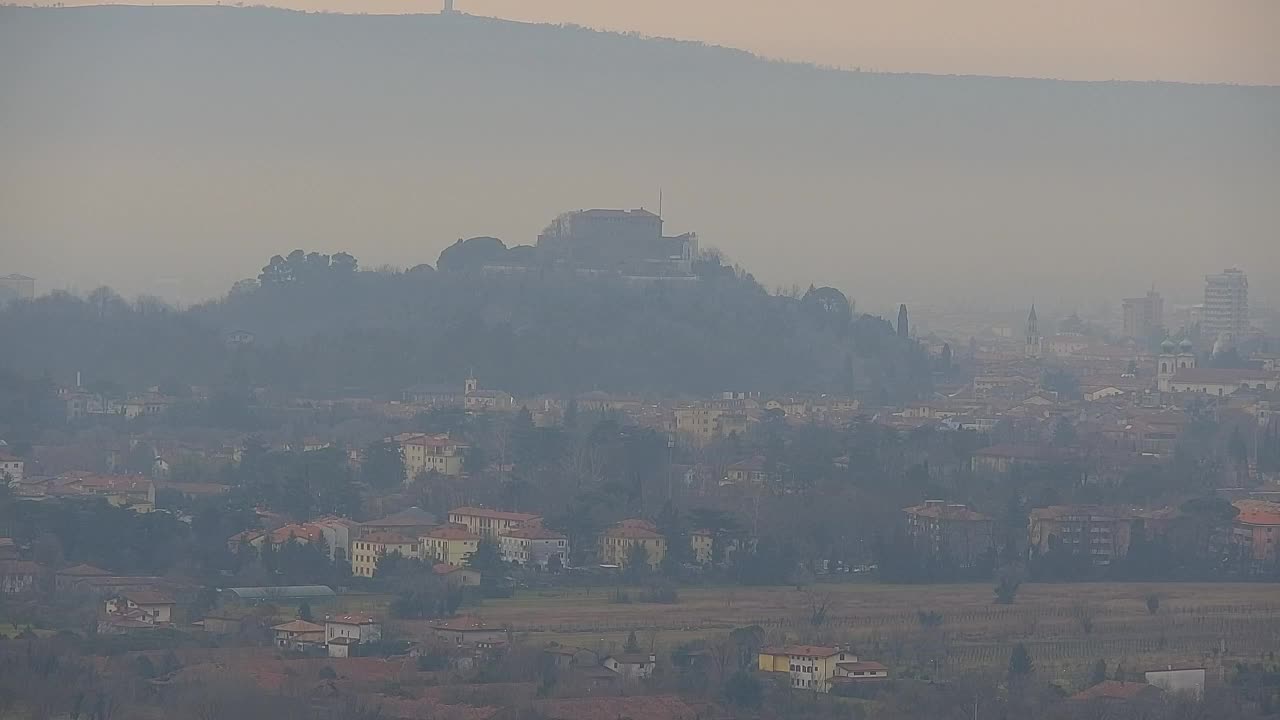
(1221, 41)
(173, 151)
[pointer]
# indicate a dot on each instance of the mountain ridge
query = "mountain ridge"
(175, 131)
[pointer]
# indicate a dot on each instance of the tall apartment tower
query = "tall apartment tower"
(1226, 305)
(1143, 316)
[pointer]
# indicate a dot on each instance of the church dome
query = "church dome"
(1185, 345)
(1167, 346)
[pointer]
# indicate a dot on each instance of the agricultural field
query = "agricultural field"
(938, 630)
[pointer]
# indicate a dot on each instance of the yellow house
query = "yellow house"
(449, 545)
(366, 551)
(617, 541)
(809, 667)
(698, 425)
(490, 523)
(426, 453)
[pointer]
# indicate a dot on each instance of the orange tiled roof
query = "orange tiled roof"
(451, 533)
(494, 514)
(801, 650)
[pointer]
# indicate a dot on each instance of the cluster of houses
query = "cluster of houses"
(1102, 533)
(134, 492)
(416, 534)
(521, 539)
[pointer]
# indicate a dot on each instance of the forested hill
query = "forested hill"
(324, 327)
(165, 147)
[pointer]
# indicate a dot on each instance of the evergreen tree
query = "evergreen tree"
(632, 645)
(1020, 663)
(383, 465)
(304, 611)
(744, 690)
(904, 329)
(1098, 673)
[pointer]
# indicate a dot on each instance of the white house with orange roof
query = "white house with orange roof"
(341, 632)
(534, 545)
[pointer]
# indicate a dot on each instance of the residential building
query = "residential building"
(1189, 681)
(455, 576)
(300, 533)
(949, 531)
(18, 576)
(11, 466)
(1220, 382)
(156, 607)
(1144, 316)
(857, 671)
(749, 471)
(1256, 530)
(700, 425)
(134, 492)
(534, 546)
(338, 532)
(564, 657)
(366, 551)
(299, 635)
(1004, 458)
(1226, 306)
(809, 667)
(8, 549)
(342, 632)
(449, 545)
(1102, 533)
(1117, 693)
(425, 453)
(467, 631)
(702, 544)
(632, 667)
(617, 542)
(246, 539)
(491, 524)
(66, 579)
(411, 522)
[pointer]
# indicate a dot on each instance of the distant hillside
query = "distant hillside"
(322, 329)
(160, 147)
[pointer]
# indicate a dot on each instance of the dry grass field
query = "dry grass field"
(1065, 626)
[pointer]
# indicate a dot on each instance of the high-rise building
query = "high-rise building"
(1143, 316)
(1226, 305)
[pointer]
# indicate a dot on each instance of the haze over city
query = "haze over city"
(592, 359)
